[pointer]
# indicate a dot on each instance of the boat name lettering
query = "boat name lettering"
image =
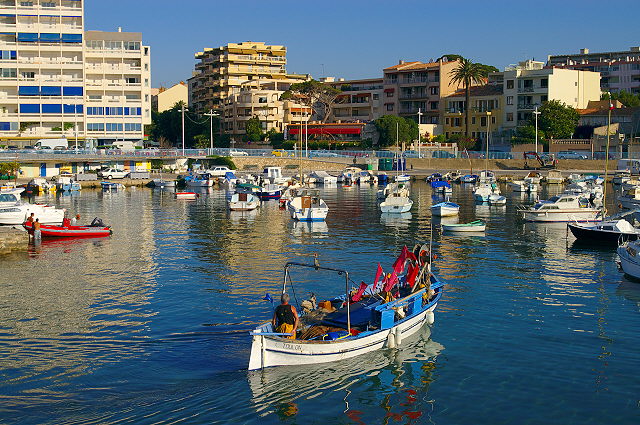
(292, 347)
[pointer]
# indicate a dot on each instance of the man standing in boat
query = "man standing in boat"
(285, 317)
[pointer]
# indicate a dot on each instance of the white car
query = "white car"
(238, 153)
(113, 173)
(219, 171)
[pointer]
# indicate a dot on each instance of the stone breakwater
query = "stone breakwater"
(12, 238)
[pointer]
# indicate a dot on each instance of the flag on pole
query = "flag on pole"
(379, 273)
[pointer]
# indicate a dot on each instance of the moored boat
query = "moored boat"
(269, 191)
(243, 202)
(445, 209)
(54, 231)
(629, 254)
(371, 317)
(474, 226)
(186, 195)
(396, 203)
(605, 232)
(14, 211)
(562, 208)
(496, 199)
(307, 205)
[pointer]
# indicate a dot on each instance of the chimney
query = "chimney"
(400, 62)
(584, 51)
(119, 29)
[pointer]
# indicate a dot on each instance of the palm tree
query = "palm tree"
(467, 73)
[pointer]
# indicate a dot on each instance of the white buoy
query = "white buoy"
(430, 317)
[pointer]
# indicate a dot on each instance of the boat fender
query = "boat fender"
(430, 318)
(398, 336)
(391, 340)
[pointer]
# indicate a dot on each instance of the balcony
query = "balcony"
(415, 80)
(531, 89)
(527, 106)
(413, 96)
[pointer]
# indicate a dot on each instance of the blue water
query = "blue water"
(151, 325)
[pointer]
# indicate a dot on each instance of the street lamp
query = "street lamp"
(488, 131)
(536, 113)
(419, 119)
(184, 109)
(211, 114)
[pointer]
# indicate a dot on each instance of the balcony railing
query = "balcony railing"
(531, 89)
(527, 106)
(413, 95)
(415, 80)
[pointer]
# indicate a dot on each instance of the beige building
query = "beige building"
(415, 87)
(223, 71)
(360, 100)
(165, 99)
(262, 100)
(527, 85)
(486, 111)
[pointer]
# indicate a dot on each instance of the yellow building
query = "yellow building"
(486, 112)
(165, 99)
(223, 71)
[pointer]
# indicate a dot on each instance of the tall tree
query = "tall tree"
(253, 129)
(319, 96)
(392, 128)
(467, 73)
(167, 126)
(557, 120)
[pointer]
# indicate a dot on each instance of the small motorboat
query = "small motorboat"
(445, 209)
(441, 186)
(67, 184)
(403, 178)
(269, 191)
(474, 226)
(469, 178)
(111, 186)
(95, 230)
(162, 183)
(497, 199)
(629, 254)
(484, 190)
(308, 206)
(562, 208)
(243, 202)
(396, 203)
(186, 195)
(605, 232)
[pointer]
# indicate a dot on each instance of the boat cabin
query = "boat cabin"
(272, 173)
(562, 202)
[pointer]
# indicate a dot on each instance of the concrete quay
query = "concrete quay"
(12, 238)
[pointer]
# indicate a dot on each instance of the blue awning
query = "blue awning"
(52, 109)
(28, 90)
(29, 109)
(28, 36)
(50, 38)
(72, 38)
(72, 91)
(50, 91)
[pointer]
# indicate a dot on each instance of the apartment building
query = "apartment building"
(360, 100)
(166, 98)
(47, 60)
(223, 71)
(527, 85)
(117, 85)
(261, 99)
(618, 70)
(486, 113)
(412, 87)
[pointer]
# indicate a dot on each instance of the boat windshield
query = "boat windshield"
(554, 199)
(8, 197)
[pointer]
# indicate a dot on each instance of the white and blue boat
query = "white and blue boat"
(199, 180)
(368, 318)
(109, 186)
(445, 209)
(307, 205)
(269, 191)
(68, 184)
(441, 186)
(469, 178)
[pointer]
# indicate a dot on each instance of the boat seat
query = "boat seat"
(360, 314)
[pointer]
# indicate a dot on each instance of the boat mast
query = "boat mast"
(606, 159)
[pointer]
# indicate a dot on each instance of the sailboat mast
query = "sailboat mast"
(606, 159)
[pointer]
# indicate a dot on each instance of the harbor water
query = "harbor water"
(150, 325)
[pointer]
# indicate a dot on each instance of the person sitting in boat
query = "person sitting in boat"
(285, 317)
(75, 219)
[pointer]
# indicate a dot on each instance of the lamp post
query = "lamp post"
(488, 131)
(536, 113)
(211, 114)
(184, 109)
(419, 119)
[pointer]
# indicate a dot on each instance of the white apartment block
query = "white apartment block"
(56, 80)
(529, 84)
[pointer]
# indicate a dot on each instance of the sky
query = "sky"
(357, 39)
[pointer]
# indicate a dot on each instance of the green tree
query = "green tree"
(557, 120)
(319, 96)
(201, 141)
(527, 134)
(167, 125)
(253, 129)
(467, 73)
(389, 126)
(462, 142)
(629, 100)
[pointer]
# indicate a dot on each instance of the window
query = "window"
(26, 3)
(262, 99)
(446, 121)
(434, 105)
(131, 45)
(114, 126)
(132, 80)
(146, 82)
(493, 120)
(95, 110)
(509, 116)
(544, 83)
(113, 45)
(146, 97)
(376, 96)
(94, 44)
(483, 121)
(389, 106)
(95, 126)
(473, 120)
(131, 126)
(95, 97)
(9, 73)
(509, 100)
(433, 90)
(28, 75)
(48, 4)
(544, 98)
(456, 122)
(146, 66)
(8, 55)
(389, 94)
(509, 84)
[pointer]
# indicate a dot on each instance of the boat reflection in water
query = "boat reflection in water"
(401, 221)
(319, 228)
(237, 216)
(389, 373)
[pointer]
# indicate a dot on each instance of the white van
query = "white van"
(51, 144)
(630, 165)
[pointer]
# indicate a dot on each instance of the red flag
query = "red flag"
(379, 272)
(412, 273)
(358, 295)
(398, 265)
(611, 106)
(411, 256)
(391, 281)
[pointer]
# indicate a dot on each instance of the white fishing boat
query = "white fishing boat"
(629, 254)
(199, 180)
(243, 202)
(349, 175)
(630, 198)
(67, 184)
(40, 186)
(474, 226)
(324, 178)
(621, 177)
(274, 175)
(562, 208)
(366, 319)
(401, 188)
(533, 177)
(14, 211)
(487, 176)
(523, 186)
(307, 205)
(445, 209)
(163, 183)
(402, 178)
(396, 203)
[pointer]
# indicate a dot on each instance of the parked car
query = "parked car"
(238, 153)
(413, 154)
(322, 153)
(280, 153)
(500, 155)
(113, 173)
(442, 154)
(601, 155)
(571, 155)
(219, 171)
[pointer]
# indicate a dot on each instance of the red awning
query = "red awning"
(357, 130)
(389, 90)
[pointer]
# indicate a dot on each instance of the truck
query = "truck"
(52, 144)
(124, 145)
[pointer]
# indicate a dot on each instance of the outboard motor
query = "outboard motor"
(97, 222)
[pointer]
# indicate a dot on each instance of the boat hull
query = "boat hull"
(275, 194)
(48, 231)
(445, 211)
(463, 228)
(629, 263)
(46, 215)
(561, 216)
(268, 351)
(587, 234)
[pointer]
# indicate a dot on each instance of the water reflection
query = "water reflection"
(398, 221)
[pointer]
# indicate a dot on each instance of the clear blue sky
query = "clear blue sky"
(356, 39)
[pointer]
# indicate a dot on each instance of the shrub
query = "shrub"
(221, 160)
